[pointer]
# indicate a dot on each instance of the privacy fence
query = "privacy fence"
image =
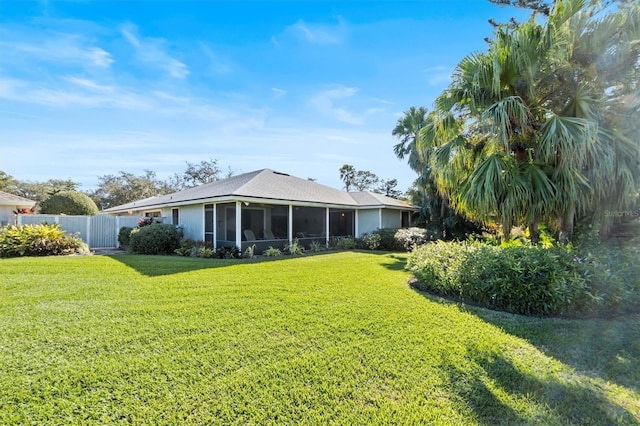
(100, 231)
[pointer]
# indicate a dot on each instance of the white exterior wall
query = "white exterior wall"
(368, 221)
(6, 215)
(191, 218)
(391, 218)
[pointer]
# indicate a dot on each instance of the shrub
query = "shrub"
(272, 252)
(250, 252)
(186, 247)
(346, 243)
(316, 246)
(39, 240)
(206, 252)
(228, 252)
(525, 280)
(370, 241)
(69, 202)
(408, 238)
(295, 248)
(124, 235)
(157, 238)
(387, 239)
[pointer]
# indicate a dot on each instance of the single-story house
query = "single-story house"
(269, 208)
(10, 203)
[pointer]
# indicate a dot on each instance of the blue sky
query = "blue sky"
(94, 88)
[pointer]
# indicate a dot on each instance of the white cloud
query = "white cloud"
(65, 48)
(151, 51)
(316, 33)
(326, 102)
(217, 63)
(439, 75)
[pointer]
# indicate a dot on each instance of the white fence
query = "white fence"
(100, 231)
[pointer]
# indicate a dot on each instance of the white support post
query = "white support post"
(290, 224)
(380, 218)
(326, 228)
(355, 219)
(239, 225)
(215, 227)
(117, 231)
(89, 231)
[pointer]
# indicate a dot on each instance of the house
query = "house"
(269, 208)
(10, 203)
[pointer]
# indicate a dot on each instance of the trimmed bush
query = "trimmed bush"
(70, 203)
(124, 235)
(157, 238)
(370, 241)
(346, 243)
(39, 240)
(523, 280)
(409, 238)
(387, 239)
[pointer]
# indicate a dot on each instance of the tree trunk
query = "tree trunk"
(566, 224)
(534, 231)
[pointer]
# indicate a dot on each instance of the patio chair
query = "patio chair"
(249, 235)
(268, 234)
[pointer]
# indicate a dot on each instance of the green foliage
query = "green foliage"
(316, 246)
(157, 238)
(249, 253)
(387, 239)
(529, 280)
(124, 235)
(69, 203)
(39, 240)
(228, 252)
(294, 248)
(370, 241)
(272, 252)
(409, 238)
(186, 247)
(206, 252)
(346, 243)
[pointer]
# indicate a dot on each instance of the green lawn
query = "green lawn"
(336, 338)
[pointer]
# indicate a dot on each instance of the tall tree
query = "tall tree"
(195, 174)
(347, 175)
(406, 130)
(531, 130)
(114, 190)
(388, 188)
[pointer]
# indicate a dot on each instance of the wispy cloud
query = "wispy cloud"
(315, 33)
(327, 103)
(439, 75)
(59, 48)
(217, 63)
(152, 51)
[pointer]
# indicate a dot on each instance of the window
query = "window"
(175, 216)
(157, 213)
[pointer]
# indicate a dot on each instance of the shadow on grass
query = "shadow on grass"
(605, 349)
(154, 266)
(567, 402)
(157, 265)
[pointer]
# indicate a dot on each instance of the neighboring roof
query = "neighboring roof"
(7, 199)
(268, 185)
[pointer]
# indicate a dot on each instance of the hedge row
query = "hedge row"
(528, 280)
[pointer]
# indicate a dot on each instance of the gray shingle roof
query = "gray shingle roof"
(268, 185)
(7, 199)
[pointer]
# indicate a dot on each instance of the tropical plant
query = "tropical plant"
(294, 248)
(272, 252)
(250, 251)
(539, 129)
(39, 240)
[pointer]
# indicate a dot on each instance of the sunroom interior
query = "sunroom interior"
(270, 225)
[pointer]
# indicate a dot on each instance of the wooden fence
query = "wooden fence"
(100, 231)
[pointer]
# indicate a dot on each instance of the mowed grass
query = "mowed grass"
(337, 338)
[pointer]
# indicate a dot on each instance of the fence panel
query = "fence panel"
(100, 231)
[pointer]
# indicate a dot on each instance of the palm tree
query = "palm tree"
(347, 175)
(407, 130)
(529, 132)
